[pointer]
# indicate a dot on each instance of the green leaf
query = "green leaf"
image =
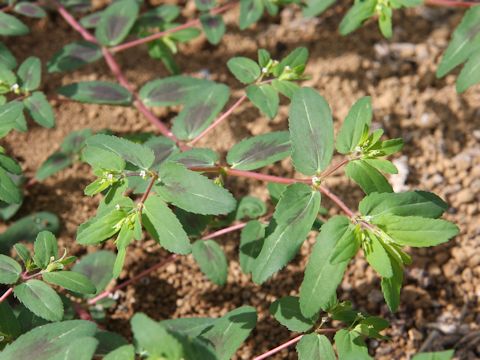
(315, 347)
(321, 276)
(40, 109)
(259, 151)
(6, 58)
(411, 203)
(11, 117)
(359, 117)
(346, 247)
(102, 161)
(351, 346)
(11, 26)
(173, 90)
(40, 299)
(9, 324)
(417, 231)
(10, 165)
(286, 311)
(29, 9)
(367, 177)
(311, 131)
(231, 330)
(193, 327)
(45, 248)
(214, 27)
(71, 280)
(116, 21)
(470, 73)
(192, 192)
(10, 270)
(285, 87)
(97, 92)
(153, 338)
(164, 227)
(134, 153)
(465, 42)
(250, 12)
(377, 256)
(265, 98)
(200, 112)
(382, 165)
(162, 148)
(9, 192)
(244, 69)
(250, 207)
(297, 58)
(197, 157)
(50, 341)
(125, 352)
(54, 163)
(29, 73)
(358, 13)
(438, 355)
(103, 225)
(97, 267)
(73, 56)
(392, 286)
(251, 242)
(316, 7)
(212, 260)
(22, 252)
(294, 216)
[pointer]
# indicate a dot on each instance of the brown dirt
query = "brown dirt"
(442, 154)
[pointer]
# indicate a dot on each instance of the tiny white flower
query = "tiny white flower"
(143, 174)
(110, 177)
(368, 218)
(264, 70)
(288, 68)
(117, 207)
(316, 180)
(14, 87)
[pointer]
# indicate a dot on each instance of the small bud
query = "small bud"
(117, 207)
(368, 218)
(264, 70)
(15, 88)
(110, 177)
(143, 174)
(316, 181)
(288, 68)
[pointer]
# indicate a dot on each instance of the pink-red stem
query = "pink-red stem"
(6, 294)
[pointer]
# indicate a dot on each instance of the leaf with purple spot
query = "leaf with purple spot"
(11, 26)
(214, 27)
(40, 109)
(73, 56)
(116, 22)
(259, 151)
(29, 9)
(97, 92)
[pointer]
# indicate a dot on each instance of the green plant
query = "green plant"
(166, 189)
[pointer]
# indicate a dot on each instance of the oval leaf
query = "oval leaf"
(97, 92)
(116, 21)
(311, 131)
(212, 260)
(70, 280)
(10, 270)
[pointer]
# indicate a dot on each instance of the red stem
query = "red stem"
(336, 200)
(264, 177)
(224, 231)
(219, 119)
(289, 343)
(160, 34)
(6, 294)
(451, 3)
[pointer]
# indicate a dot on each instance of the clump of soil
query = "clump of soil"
(442, 133)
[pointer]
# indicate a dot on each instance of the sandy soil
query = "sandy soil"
(442, 154)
